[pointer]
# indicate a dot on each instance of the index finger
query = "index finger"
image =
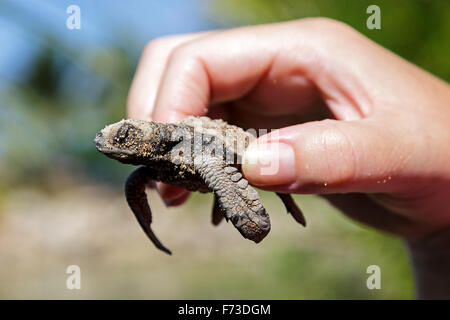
(147, 78)
(216, 68)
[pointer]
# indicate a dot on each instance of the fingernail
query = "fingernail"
(268, 164)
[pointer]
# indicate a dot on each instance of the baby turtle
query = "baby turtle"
(198, 154)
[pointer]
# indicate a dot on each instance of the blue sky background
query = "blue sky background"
(102, 23)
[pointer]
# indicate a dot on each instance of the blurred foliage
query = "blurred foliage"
(50, 117)
(417, 30)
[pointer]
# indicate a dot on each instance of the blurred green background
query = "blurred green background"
(61, 202)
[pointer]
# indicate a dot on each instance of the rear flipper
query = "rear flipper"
(137, 200)
(292, 208)
(217, 215)
(236, 199)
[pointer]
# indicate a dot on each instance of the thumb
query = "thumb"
(332, 156)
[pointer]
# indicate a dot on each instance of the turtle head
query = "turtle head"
(130, 141)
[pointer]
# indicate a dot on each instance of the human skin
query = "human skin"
(359, 125)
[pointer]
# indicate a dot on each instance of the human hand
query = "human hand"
(383, 159)
(359, 125)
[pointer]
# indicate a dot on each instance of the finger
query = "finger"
(148, 74)
(281, 68)
(331, 156)
(228, 65)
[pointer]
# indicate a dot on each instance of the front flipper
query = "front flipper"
(238, 201)
(217, 215)
(292, 208)
(137, 200)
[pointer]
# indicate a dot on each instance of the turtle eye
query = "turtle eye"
(122, 133)
(126, 134)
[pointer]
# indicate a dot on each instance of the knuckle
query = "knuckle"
(167, 44)
(322, 25)
(164, 45)
(183, 51)
(321, 22)
(156, 44)
(187, 60)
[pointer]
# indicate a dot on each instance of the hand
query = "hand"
(382, 153)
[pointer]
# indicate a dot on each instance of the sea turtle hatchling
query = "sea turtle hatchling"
(198, 154)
